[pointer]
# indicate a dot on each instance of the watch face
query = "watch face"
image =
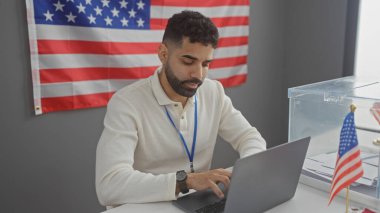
(181, 175)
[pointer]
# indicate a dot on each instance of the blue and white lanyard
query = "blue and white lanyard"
(190, 155)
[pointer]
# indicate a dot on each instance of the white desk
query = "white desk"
(306, 199)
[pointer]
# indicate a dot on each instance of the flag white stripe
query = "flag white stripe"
(82, 87)
(225, 52)
(51, 32)
(218, 11)
(97, 34)
(225, 32)
(136, 60)
(346, 178)
(226, 72)
(87, 60)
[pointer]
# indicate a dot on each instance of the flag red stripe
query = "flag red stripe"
(75, 102)
(232, 41)
(231, 21)
(97, 73)
(94, 47)
(199, 3)
(345, 184)
(114, 48)
(347, 160)
(228, 62)
(345, 173)
(160, 24)
(232, 81)
(94, 73)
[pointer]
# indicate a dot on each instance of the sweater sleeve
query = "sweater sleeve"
(117, 182)
(236, 130)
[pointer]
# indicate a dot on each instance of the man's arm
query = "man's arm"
(117, 182)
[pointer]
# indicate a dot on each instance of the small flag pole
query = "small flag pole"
(353, 108)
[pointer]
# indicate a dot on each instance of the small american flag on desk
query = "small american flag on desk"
(348, 167)
(82, 51)
(375, 110)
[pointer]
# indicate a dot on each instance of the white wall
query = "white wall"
(368, 39)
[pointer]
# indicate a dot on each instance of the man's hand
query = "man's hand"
(209, 180)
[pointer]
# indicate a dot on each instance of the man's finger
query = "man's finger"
(223, 172)
(224, 180)
(216, 190)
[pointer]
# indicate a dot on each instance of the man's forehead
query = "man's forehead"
(194, 50)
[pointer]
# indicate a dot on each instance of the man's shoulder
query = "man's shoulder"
(210, 85)
(134, 91)
(136, 86)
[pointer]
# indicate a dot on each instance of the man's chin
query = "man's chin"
(188, 92)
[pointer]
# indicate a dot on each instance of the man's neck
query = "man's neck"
(169, 90)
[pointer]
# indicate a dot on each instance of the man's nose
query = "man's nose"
(197, 72)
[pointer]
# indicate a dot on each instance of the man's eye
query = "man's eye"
(188, 62)
(206, 64)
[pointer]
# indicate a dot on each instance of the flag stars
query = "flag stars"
(71, 18)
(91, 13)
(105, 3)
(91, 19)
(49, 16)
(115, 12)
(140, 5)
(140, 22)
(58, 6)
(124, 22)
(123, 4)
(108, 21)
(98, 11)
(81, 8)
(132, 13)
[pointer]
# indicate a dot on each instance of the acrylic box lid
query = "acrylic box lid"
(352, 87)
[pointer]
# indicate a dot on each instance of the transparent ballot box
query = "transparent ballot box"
(318, 110)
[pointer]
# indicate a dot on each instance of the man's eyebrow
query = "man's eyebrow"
(194, 58)
(190, 57)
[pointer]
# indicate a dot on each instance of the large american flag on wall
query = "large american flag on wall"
(82, 51)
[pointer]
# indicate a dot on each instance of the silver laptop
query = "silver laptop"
(258, 183)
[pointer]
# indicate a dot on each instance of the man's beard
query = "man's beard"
(178, 85)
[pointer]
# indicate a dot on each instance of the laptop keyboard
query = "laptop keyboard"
(213, 208)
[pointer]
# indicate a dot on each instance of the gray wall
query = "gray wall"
(47, 162)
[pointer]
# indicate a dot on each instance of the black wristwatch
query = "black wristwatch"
(181, 177)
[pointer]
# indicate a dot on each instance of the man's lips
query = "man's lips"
(191, 85)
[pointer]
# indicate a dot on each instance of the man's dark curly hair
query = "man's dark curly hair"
(193, 25)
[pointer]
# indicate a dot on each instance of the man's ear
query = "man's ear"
(163, 53)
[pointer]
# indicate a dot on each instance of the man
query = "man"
(160, 132)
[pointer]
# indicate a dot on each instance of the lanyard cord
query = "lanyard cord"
(189, 155)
